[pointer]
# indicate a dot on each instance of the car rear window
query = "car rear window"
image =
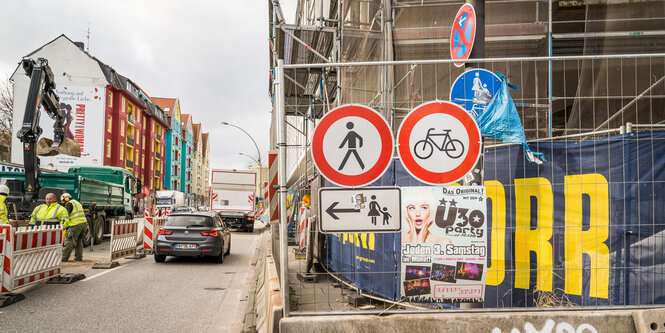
(188, 221)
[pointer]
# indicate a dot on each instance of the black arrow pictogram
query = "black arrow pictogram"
(331, 210)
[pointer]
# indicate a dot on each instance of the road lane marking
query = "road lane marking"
(102, 273)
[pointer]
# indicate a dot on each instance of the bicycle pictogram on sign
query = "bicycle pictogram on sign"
(424, 148)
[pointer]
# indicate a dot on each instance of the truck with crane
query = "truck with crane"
(106, 193)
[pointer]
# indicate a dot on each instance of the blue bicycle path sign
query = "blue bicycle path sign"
(474, 89)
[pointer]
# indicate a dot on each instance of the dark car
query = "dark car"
(194, 234)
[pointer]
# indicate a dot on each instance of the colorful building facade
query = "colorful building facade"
(173, 153)
(187, 163)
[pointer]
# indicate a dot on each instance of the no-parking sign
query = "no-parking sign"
(352, 145)
(463, 33)
(438, 142)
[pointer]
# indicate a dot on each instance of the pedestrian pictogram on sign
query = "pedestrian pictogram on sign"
(370, 209)
(463, 33)
(438, 142)
(352, 145)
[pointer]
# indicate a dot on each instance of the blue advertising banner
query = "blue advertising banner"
(587, 227)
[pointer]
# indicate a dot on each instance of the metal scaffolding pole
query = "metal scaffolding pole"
(281, 143)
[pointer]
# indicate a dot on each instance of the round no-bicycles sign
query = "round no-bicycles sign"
(438, 143)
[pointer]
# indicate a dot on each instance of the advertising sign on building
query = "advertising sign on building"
(83, 108)
(444, 244)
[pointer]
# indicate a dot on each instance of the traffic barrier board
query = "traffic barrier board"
(438, 142)
(474, 89)
(352, 145)
(463, 33)
(370, 209)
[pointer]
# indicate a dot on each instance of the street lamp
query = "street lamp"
(257, 151)
(250, 137)
(253, 159)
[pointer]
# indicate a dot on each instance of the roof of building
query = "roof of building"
(184, 118)
(167, 104)
(204, 144)
(121, 82)
(196, 128)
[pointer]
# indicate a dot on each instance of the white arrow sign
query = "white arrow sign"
(370, 209)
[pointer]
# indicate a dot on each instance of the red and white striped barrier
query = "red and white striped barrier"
(123, 238)
(30, 255)
(150, 227)
(303, 226)
(272, 191)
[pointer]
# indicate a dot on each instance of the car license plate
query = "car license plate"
(185, 246)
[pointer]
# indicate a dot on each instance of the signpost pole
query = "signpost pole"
(478, 51)
(281, 174)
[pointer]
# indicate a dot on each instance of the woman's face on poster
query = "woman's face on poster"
(418, 214)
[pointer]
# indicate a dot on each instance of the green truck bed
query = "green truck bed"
(108, 187)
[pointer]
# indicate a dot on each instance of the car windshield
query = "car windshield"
(188, 221)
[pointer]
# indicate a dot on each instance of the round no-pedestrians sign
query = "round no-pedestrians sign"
(352, 145)
(438, 143)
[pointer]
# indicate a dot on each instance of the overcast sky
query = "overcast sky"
(212, 55)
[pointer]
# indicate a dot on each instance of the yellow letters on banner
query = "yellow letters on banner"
(590, 242)
(536, 240)
(364, 240)
(496, 272)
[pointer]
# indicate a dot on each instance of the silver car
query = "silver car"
(193, 234)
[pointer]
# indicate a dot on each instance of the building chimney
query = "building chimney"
(81, 45)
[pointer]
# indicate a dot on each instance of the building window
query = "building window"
(152, 127)
(190, 151)
(108, 148)
(143, 145)
(109, 99)
(144, 125)
(122, 128)
(177, 142)
(122, 152)
(109, 123)
(122, 104)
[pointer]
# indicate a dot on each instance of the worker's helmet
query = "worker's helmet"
(65, 197)
(4, 190)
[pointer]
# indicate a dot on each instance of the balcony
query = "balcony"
(130, 141)
(158, 137)
(130, 119)
(158, 155)
(129, 164)
(157, 173)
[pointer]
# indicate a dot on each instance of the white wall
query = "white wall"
(71, 68)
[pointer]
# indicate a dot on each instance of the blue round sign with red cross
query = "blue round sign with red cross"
(463, 33)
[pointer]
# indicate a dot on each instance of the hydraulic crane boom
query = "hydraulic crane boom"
(42, 93)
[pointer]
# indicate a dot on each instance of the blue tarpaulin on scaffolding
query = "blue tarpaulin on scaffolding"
(623, 207)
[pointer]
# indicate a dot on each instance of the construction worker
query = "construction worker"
(76, 228)
(50, 213)
(4, 192)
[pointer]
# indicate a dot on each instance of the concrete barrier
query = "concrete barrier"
(268, 299)
(543, 321)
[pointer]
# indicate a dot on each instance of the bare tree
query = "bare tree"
(6, 117)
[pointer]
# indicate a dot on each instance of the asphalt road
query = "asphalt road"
(180, 295)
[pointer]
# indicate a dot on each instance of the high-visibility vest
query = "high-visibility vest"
(3, 210)
(49, 214)
(77, 216)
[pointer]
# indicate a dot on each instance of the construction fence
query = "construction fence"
(584, 228)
